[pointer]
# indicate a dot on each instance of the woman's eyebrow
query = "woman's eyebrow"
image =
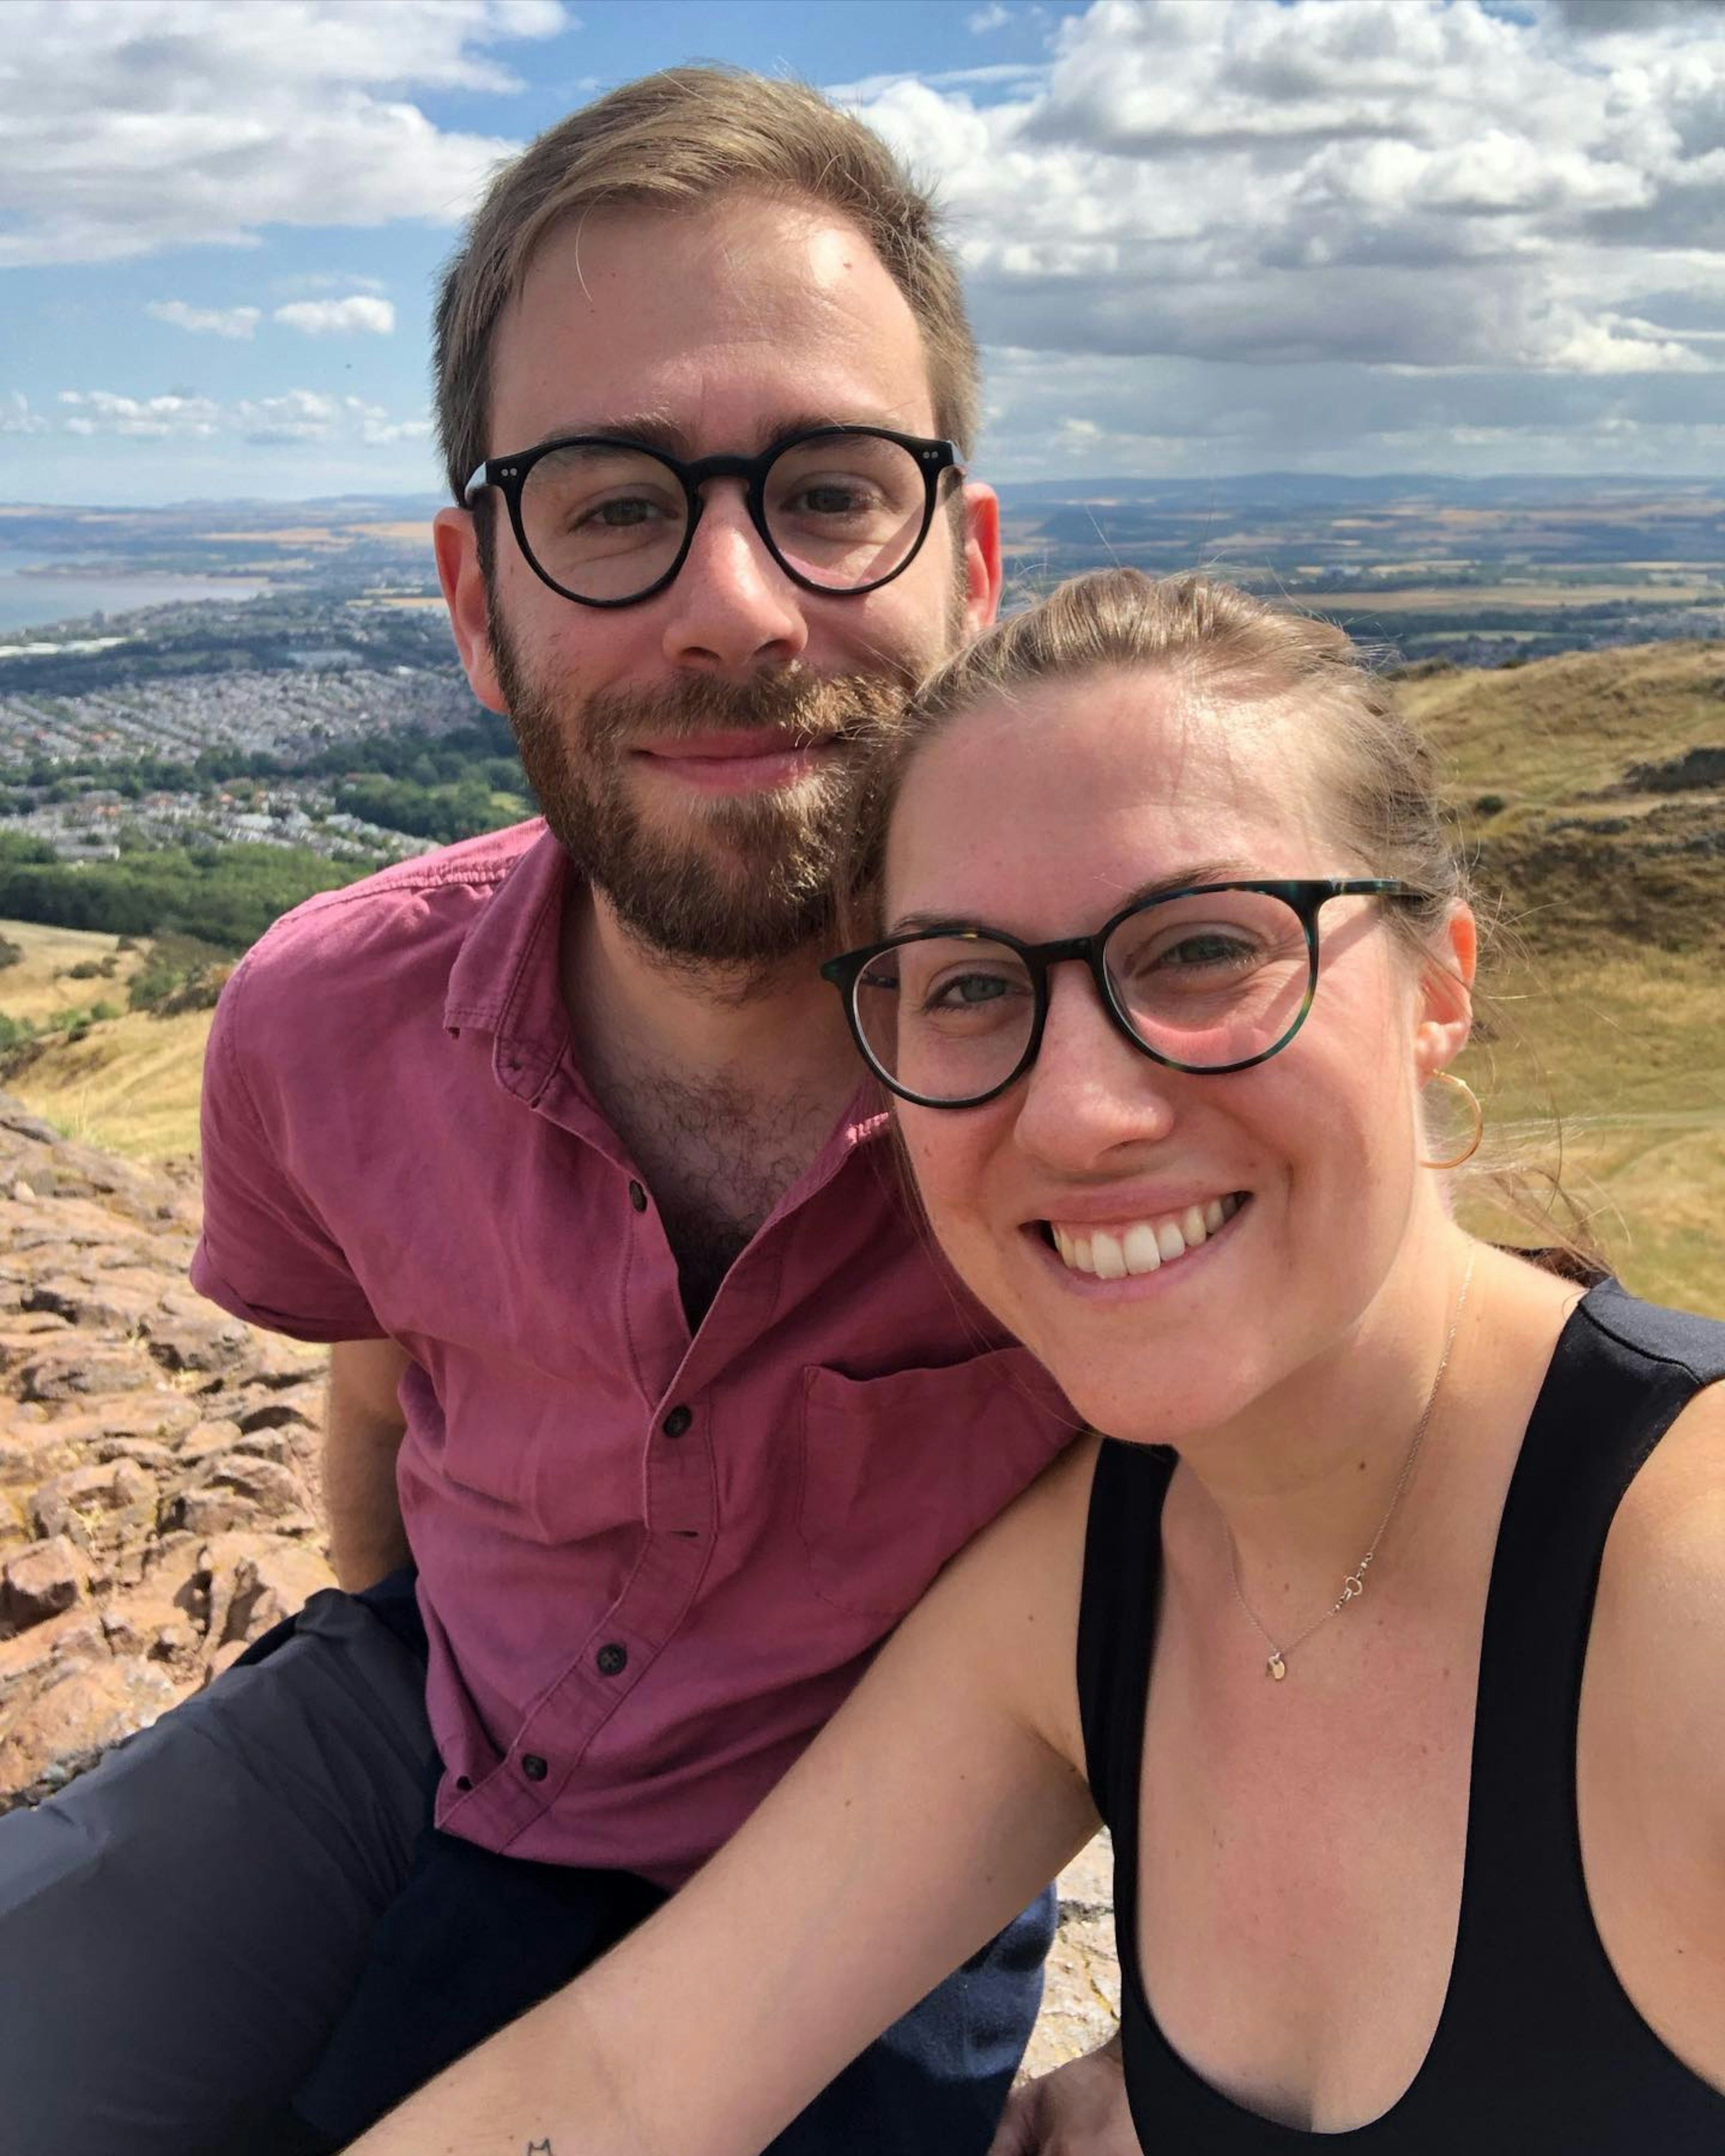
(1189, 877)
(1183, 878)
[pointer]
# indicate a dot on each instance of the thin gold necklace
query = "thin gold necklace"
(1354, 1585)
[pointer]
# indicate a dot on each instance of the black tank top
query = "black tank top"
(1538, 2051)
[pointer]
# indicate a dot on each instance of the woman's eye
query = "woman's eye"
(966, 991)
(1212, 949)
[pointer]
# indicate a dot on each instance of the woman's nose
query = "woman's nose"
(1090, 1090)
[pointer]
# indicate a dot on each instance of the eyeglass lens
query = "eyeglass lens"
(1206, 981)
(607, 522)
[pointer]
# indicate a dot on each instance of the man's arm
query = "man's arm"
(363, 1435)
(1080, 2109)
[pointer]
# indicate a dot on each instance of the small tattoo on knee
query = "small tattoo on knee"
(539, 2148)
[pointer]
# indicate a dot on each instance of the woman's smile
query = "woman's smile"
(1131, 1248)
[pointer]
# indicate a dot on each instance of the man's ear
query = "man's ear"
(981, 555)
(456, 543)
(1445, 1006)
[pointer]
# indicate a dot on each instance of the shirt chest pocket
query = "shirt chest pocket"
(898, 1472)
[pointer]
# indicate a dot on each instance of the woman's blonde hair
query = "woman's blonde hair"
(1372, 773)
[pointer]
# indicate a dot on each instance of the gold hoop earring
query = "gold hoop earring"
(1472, 1099)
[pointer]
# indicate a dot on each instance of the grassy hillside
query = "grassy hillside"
(130, 1084)
(40, 984)
(1591, 790)
(1595, 814)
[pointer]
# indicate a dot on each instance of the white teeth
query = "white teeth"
(1111, 1254)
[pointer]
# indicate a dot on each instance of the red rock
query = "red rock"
(68, 1375)
(98, 1505)
(232, 1491)
(72, 1718)
(65, 1638)
(255, 1581)
(46, 1581)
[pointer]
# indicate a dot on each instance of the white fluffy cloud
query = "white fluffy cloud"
(236, 323)
(296, 415)
(359, 313)
(168, 123)
(16, 416)
(1195, 192)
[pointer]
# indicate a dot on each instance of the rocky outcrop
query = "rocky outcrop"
(159, 1497)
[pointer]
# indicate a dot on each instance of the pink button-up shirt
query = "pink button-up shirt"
(650, 1565)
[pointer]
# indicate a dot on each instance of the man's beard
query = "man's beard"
(753, 882)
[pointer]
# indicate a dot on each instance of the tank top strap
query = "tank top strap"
(1621, 1373)
(1117, 1624)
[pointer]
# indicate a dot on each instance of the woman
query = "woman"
(1163, 949)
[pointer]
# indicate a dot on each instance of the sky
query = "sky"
(1199, 236)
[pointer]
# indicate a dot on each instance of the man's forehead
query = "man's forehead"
(632, 320)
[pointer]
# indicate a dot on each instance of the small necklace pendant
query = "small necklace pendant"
(1276, 1666)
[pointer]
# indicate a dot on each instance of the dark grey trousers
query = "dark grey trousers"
(180, 1929)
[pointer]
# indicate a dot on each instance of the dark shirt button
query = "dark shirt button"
(613, 1659)
(637, 1197)
(463, 1782)
(676, 1422)
(533, 1767)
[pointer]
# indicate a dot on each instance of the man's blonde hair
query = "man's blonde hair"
(689, 137)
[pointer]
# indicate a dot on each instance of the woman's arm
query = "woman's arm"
(933, 1809)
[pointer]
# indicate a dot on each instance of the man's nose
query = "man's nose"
(1090, 1090)
(733, 611)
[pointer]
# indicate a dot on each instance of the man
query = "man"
(555, 1136)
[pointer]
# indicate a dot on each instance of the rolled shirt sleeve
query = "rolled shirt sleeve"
(265, 1253)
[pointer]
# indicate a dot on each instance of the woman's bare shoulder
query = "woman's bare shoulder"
(1659, 1623)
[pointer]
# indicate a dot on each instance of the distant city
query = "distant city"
(273, 691)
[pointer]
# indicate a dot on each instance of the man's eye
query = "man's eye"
(621, 513)
(831, 498)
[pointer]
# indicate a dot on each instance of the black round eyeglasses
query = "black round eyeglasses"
(1209, 979)
(609, 522)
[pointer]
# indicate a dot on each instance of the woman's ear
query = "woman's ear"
(1445, 1004)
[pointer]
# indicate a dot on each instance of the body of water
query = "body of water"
(29, 602)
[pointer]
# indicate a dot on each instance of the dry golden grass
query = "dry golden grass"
(1566, 726)
(130, 1086)
(38, 986)
(1628, 1050)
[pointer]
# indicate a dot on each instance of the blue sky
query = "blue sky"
(1200, 236)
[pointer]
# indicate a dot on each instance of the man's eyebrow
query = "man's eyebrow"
(654, 430)
(1184, 878)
